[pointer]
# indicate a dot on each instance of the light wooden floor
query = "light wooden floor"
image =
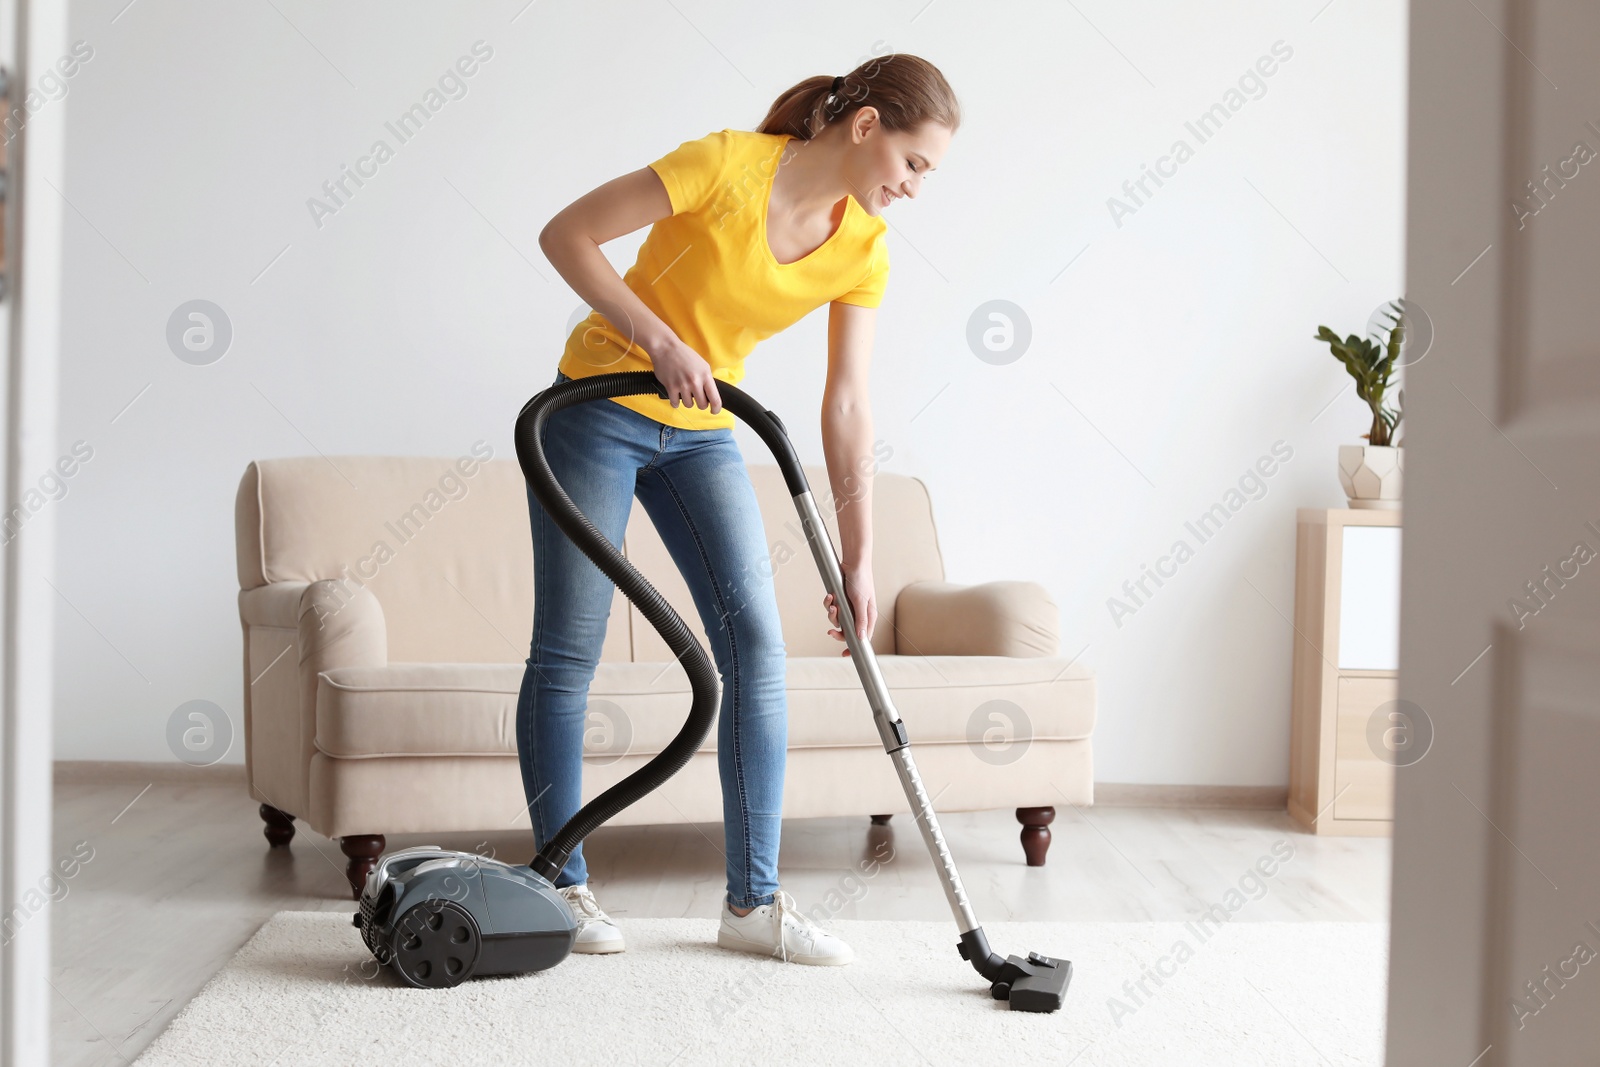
(181, 877)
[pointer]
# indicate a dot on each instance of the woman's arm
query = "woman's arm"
(571, 241)
(847, 446)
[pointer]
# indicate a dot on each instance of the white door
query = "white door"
(33, 37)
(1496, 915)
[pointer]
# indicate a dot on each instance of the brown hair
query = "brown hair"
(907, 91)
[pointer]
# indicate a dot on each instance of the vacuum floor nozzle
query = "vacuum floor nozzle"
(1039, 983)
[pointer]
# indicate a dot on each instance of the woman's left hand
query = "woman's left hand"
(863, 604)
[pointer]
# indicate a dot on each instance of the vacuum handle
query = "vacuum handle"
(660, 614)
(884, 714)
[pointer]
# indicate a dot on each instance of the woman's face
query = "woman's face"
(891, 164)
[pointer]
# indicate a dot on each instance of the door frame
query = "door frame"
(32, 37)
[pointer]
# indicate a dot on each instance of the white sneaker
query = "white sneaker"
(780, 929)
(596, 932)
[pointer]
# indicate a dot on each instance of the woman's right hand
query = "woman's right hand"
(685, 374)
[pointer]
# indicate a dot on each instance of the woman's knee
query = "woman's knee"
(755, 634)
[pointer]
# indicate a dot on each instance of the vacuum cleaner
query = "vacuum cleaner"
(437, 917)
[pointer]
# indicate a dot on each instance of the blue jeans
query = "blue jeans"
(695, 488)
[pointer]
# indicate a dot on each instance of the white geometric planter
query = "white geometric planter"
(1370, 475)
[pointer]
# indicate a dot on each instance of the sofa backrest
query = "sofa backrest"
(445, 546)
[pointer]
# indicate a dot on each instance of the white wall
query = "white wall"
(422, 315)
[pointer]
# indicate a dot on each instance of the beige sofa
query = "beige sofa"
(387, 605)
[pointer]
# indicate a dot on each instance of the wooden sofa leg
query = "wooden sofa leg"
(880, 820)
(363, 851)
(1035, 833)
(280, 826)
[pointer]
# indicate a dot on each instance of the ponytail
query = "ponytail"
(906, 90)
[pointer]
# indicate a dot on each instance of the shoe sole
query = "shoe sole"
(739, 944)
(598, 947)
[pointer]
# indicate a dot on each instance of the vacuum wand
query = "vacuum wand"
(1035, 983)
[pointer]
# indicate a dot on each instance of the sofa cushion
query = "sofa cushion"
(443, 544)
(905, 550)
(446, 548)
(471, 708)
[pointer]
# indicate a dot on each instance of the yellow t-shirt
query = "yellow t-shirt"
(708, 272)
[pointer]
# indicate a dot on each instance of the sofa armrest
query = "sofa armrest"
(270, 615)
(295, 630)
(341, 625)
(1004, 618)
(276, 604)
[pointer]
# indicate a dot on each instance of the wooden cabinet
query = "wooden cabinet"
(1363, 784)
(1346, 659)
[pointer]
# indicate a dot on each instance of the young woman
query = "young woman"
(751, 231)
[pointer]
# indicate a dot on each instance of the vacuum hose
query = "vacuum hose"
(702, 675)
(1035, 983)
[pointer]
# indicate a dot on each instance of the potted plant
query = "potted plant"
(1370, 473)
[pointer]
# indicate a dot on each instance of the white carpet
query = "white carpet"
(305, 990)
